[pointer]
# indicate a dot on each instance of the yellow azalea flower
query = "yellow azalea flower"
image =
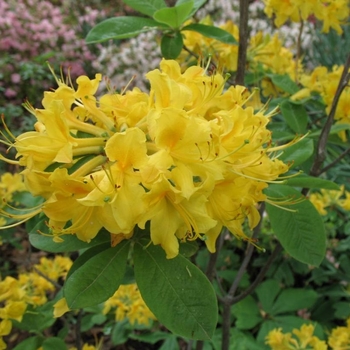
(10, 183)
(2, 344)
(172, 217)
(60, 308)
(5, 327)
(128, 304)
(189, 157)
(333, 13)
(13, 310)
(86, 86)
(305, 339)
(339, 338)
(54, 268)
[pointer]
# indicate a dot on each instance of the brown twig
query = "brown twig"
(228, 300)
(243, 41)
(335, 161)
(211, 271)
(322, 142)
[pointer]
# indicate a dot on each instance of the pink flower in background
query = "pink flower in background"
(15, 78)
(10, 93)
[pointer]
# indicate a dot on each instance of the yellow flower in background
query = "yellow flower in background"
(128, 304)
(302, 338)
(333, 13)
(9, 184)
(339, 338)
(124, 159)
(329, 198)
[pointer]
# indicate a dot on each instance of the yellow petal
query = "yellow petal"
(60, 308)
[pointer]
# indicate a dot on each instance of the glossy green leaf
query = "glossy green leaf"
(197, 4)
(298, 153)
(247, 313)
(212, 32)
(176, 291)
(267, 293)
(171, 45)
(122, 27)
(299, 227)
(294, 299)
(32, 343)
(295, 116)
(87, 255)
(174, 16)
(70, 242)
(146, 7)
(37, 319)
(98, 278)
(54, 343)
(335, 129)
(305, 181)
(284, 82)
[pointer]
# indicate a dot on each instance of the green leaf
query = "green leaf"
(98, 278)
(150, 338)
(70, 242)
(174, 16)
(146, 7)
(212, 32)
(122, 27)
(54, 343)
(87, 255)
(121, 332)
(247, 313)
(32, 343)
(298, 153)
(295, 116)
(239, 340)
(284, 82)
(196, 5)
(335, 129)
(300, 231)
(189, 248)
(177, 292)
(294, 299)
(267, 293)
(170, 344)
(305, 181)
(171, 45)
(37, 319)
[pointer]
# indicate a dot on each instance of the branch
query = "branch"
(322, 142)
(330, 165)
(248, 255)
(260, 276)
(243, 41)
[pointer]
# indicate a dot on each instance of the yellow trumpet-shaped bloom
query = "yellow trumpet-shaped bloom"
(187, 158)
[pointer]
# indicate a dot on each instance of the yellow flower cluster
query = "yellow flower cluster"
(325, 83)
(333, 13)
(9, 184)
(303, 339)
(339, 339)
(129, 304)
(189, 158)
(224, 55)
(28, 289)
(263, 50)
(330, 198)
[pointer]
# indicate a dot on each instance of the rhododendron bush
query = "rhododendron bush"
(197, 210)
